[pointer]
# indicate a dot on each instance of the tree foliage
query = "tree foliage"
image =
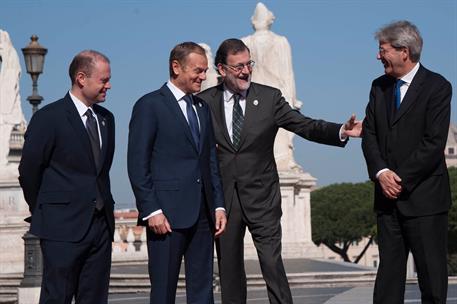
(342, 214)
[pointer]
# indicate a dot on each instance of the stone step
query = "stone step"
(127, 283)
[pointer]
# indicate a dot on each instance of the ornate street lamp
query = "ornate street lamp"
(34, 61)
(33, 260)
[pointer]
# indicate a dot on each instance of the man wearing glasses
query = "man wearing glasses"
(246, 117)
(405, 133)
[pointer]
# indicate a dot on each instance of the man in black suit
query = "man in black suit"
(175, 178)
(64, 174)
(404, 137)
(246, 117)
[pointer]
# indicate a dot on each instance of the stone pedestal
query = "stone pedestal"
(28, 295)
(297, 241)
(13, 210)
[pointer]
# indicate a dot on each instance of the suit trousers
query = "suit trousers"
(165, 256)
(426, 238)
(266, 235)
(78, 269)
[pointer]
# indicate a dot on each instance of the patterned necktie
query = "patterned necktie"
(192, 119)
(237, 121)
(92, 130)
(398, 85)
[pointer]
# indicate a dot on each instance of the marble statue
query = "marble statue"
(211, 74)
(273, 58)
(11, 115)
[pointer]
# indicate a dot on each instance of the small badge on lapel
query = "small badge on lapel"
(103, 122)
(200, 104)
(255, 102)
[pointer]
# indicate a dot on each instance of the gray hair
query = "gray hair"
(402, 34)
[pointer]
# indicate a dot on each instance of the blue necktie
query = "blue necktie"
(192, 119)
(398, 85)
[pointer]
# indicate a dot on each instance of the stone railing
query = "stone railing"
(129, 244)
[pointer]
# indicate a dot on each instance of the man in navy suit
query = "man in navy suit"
(175, 177)
(64, 174)
(404, 137)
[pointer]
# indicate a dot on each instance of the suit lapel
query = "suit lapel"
(104, 134)
(79, 128)
(220, 112)
(202, 120)
(173, 106)
(389, 97)
(249, 113)
(411, 95)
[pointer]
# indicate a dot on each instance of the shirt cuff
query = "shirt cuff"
(381, 171)
(152, 214)
(343, 137)
(221, 209)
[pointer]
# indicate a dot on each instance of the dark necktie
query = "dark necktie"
(92, 130)
(398, 85)
(192, 119)
(237, 121)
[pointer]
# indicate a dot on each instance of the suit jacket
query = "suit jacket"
(410, 141)
(252, 169)
(58, 174)
(166, 168)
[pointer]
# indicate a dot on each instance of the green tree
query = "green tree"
(342, 214)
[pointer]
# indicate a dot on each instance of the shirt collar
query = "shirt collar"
(177, 92)
(80, 106)
(228, 94)
(408, 78)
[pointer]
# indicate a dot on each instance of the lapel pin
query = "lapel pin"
(255, 102)
(200, 104)
(103, 123)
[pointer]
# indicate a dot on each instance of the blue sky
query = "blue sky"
(333, 49)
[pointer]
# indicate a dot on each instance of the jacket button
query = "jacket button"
(198, 180)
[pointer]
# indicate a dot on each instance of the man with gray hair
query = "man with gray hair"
(404, 137)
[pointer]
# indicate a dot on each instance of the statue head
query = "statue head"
(262, 18)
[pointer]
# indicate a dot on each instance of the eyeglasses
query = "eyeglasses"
(240, 67)
(383, 51)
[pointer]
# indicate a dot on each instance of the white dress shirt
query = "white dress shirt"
(408, 78)
(82, 109)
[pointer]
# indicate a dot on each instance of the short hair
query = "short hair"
(230, 46)
(402, 34)
(181, 51)
(84, 62)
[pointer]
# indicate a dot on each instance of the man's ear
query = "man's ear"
(221, 69)
(81, 79)
(176, 67)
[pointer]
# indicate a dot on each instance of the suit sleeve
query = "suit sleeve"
(218, 194)
(370, 146)
(142, 131)
(36, 155)
(319, 131)
(423, 161)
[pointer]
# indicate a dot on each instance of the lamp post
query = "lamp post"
(34, 61)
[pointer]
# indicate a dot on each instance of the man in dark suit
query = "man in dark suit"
(404, 136)
(246, 117)
(64, 173)
(175, 178)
